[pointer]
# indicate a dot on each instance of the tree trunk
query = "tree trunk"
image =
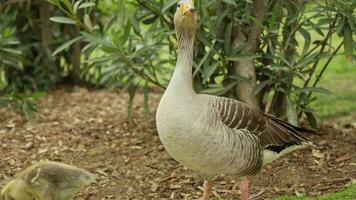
(45, 28)
(246, 68)
(46, 41)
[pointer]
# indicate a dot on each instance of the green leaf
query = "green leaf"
(310, 59)
(311, 119)
(307, 39)
(97, 40)
(150, 20)
(54, 2)
(68, 5)
(202, 37)
(276, 12)
(292, 115)
(4, 102)
(227, 42)
(126, 32)
(313, 89)
(238, 48)
(87, 4)
(348, 42)
(63, 20)
(28, 109)
(340, 27)
(102, 59)
(37, 95)
(88, 22)
(218, 89)
(243, 57)
(259, 87)
(232, 2)
(67, 44)
(206, 56)
(209, 70)
(141, 51)
(168, 5)
(75, 6)
(12, 51)
(136, 26)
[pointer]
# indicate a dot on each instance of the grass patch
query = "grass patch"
(348, 194)
(339, 78)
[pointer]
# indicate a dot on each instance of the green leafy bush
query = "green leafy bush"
(244, 49)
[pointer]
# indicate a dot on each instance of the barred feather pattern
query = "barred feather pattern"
(247, 154)
(243, 150)
(270, 130)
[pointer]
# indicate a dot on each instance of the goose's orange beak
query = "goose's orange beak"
(187, 10)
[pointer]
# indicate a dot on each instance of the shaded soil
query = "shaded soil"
(90, 130)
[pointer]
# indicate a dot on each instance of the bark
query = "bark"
(46, 41)
(46, 33)
(246, 67)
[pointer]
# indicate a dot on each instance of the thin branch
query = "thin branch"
(324, 44)
(139, 72)
(155, 11)
(318, 77)
(296, 25)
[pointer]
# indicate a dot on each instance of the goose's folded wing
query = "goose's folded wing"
(271, 131)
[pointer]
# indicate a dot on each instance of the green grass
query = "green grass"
(340, 79)
(348, 194)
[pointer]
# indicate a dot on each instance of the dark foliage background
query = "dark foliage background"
(263, 52)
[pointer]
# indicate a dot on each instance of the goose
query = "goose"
(47, 180)
(216, 135)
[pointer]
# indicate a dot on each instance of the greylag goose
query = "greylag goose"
(215, 135)
(47, 180)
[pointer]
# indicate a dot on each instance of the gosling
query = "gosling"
(47, 180)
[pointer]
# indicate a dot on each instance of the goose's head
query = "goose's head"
(185, 16)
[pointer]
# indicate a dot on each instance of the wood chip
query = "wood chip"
(343, 158)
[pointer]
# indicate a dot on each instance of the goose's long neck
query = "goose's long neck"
(181, 82)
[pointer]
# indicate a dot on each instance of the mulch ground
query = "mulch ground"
(89, 129)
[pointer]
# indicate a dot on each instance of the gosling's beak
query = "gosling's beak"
(187, 10)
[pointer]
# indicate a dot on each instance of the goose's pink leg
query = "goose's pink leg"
(207, 189)
(244, 189)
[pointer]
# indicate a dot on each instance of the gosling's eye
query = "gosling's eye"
(178, 5)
